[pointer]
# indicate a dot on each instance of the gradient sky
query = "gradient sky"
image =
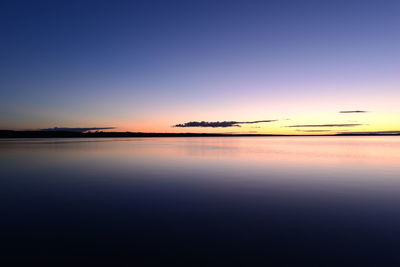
(148, 65)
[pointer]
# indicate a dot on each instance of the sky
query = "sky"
(279, 67)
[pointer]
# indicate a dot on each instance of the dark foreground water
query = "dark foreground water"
(253, 201)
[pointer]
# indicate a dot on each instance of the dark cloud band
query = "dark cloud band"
(79, 130)
(215, 124)
(372, 132)
(353, 111)
(313, 131)
(327, 125)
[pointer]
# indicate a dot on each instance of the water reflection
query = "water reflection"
(202, 201)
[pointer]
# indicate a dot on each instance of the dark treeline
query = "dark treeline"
(67, 134)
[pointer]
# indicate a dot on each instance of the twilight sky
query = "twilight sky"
(201, 66)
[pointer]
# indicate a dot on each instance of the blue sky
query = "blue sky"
(147, 65)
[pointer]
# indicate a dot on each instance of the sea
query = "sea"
(200, 201)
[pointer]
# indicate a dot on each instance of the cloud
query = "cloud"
(372, 132)
(248, 132)
(353, 111)
(327, 125)
(314, 131)
(79, 130)
(215, 124)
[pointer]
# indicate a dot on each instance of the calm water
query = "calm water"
(201, 201)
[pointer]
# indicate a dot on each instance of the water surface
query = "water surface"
(251, 201)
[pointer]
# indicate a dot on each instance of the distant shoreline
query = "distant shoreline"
(65, 134)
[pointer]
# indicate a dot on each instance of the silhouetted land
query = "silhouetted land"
(66, 134)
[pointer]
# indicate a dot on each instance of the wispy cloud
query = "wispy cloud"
(314, 131)
(327, 125)
(248, 132)
(215, 124)
(79, 130)
(373, 132)
(353, 111)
